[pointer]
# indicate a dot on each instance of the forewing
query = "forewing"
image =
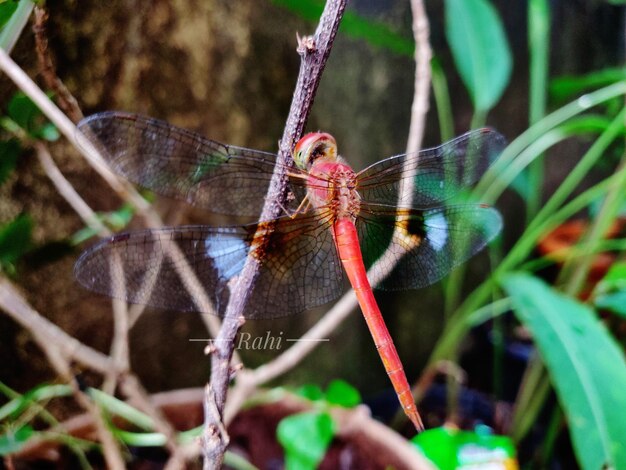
(299, 267)
(439, 173)
(421, 247)
(181, 164)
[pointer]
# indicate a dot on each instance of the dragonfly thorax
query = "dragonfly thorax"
(332, 185)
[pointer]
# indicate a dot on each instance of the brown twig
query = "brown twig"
(314, 52)
(66, 100)
(46, 332)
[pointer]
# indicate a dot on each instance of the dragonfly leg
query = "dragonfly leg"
(301, 208)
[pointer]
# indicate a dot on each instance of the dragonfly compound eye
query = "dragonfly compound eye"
(313, 146)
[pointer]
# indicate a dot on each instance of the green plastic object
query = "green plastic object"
(453, 449)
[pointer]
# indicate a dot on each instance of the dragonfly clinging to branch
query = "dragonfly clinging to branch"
(336, 220)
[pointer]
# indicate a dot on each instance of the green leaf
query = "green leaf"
(451, 449)
(610, 292)
(310, 392)
(27, 115)
(22, 110)
(9, 152)
(569, 86)
(121, 409)
(480, 50)
(6, 11)
(615, 302)
(45, 392)
(48, 132)
(116, 220)
(616, 276)
(586, 366)
(14, 439)
(15, 241)
(305, 438)
(340, 392)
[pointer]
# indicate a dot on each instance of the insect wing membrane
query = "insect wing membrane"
(419, 247)
(299, 267)
(432, 176)
(183, 165)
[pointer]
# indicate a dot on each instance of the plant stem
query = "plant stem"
(13, 29)
(577, 273)
(442, 101)
(539, 47)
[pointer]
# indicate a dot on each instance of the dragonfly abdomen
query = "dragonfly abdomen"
(347, 243)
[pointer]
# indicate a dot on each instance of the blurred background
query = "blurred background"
(227, 70)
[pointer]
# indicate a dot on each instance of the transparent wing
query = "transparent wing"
(299, 266)
(440, 172)
(423, 246)
(181, 164)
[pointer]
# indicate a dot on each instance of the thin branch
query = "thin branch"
(46, 332)
(50, 339)
(421, 91)
(67, 191)
(314, 52)
(66, 100)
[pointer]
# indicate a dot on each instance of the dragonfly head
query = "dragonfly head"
(313, 146)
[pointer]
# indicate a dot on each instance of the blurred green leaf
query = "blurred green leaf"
(569, 86)
(6, 11)
(310, 392)
(451, 449)
(353, 25)
(305, 438)
(614, 302)
(121, 409)
(119, 218)
(22, 111)
(616, 276)
(15, 241)
(14, 439)
(14, 408)
(116, 220)
(586, 366)
(340, 392)
(610, 292)
(480, 50)
(49, 132)
(9, 152)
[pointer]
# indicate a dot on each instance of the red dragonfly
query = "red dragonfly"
(331, 214)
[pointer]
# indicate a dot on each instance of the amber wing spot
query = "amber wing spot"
(409, 229)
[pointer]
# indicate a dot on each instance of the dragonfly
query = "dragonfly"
(400, 215)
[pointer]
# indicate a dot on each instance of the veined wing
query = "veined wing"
(440, 172)
(423, 245)
(181, 164)
(299, 266)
